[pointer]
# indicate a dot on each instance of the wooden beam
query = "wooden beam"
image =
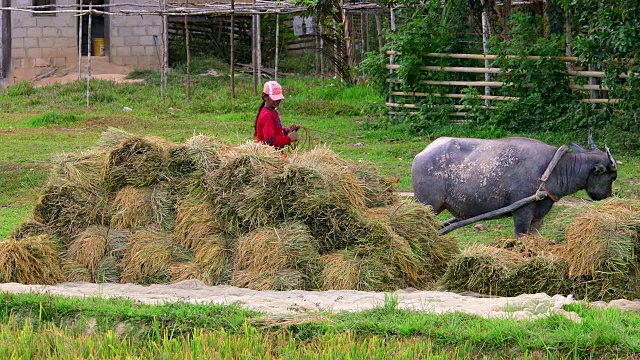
(456, 96)
(89, 59)
(232, 51)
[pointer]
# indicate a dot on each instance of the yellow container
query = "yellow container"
(98, 47)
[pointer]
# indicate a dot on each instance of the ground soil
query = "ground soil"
(101, 69)
(299, 302)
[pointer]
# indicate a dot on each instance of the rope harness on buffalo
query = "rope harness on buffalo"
(540, 194)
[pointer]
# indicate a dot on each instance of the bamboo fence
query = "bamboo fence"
(487, 84)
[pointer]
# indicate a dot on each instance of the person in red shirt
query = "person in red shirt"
(268, 128)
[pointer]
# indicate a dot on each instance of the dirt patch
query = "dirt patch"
(101, 69)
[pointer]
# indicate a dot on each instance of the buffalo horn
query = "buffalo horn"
(614, 166)
(577, 148)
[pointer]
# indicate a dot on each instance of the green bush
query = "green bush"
(51, 118)
(23, 88)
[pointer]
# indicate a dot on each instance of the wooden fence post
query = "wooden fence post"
(275, 70)
(485, 48)
(379, 30)
(232, 50)
(186, 35)
(80, 46)
(89, 59)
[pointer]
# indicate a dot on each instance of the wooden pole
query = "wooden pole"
(317, 52)
(165, 49)
(379, 30)
(259, 48)
(321, 55)
(392, 58)
(335, 47)
(516, 205)
(80, 47)
(362, 38)
(162, 95)
(569, 34)
(253, 53)
(367, 47)
(232, 50)
(485, 48)
(346, 34)
(186, 35)
(275, 70)
(89, 59)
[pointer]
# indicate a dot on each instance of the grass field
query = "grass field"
(37, 123)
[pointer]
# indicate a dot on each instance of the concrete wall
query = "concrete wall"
(131, 39)
(40, 42)
(3, 52)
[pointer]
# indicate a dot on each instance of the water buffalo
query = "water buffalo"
(469, 177)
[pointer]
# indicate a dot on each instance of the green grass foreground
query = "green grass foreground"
(36, 326)
(38, 123)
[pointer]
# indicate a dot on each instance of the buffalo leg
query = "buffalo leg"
(536, 224)
(522, 219)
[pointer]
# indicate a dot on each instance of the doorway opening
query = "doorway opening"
(99, 30)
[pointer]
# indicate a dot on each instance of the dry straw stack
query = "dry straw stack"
(598, 261)
(144, 210)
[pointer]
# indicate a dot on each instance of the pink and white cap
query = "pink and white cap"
(274, 90)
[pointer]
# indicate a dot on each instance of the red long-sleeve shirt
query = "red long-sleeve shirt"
(269, 129)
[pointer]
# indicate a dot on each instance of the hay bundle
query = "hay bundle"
(212, 258)
(199, 152)
(322, 175)
(117, 242)
(281, 280)
(67, 209)
(481, 269)
(108, 270)
(28, 229)
(542, 273)
(74, 271)
(419, 226)
(258, 205)
(340, 271)
(195, 217)
(409, 262)
(267, 256)
(243, 167)
(88, 248)
(113, 137)
(164, 198)
(31, 260)
(148, 257)
(211, 263)
(132, 208)
(83, 169)
(378, 191)
(137, 161)
(604, 239)
(531, 246)
(348, 270)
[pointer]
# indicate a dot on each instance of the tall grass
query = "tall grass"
(51, 118)
(40, 326)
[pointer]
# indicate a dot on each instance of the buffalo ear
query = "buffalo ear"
(600, 169)
(577, 148)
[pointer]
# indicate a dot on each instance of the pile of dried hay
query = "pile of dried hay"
(144, 210)
(598, 262)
